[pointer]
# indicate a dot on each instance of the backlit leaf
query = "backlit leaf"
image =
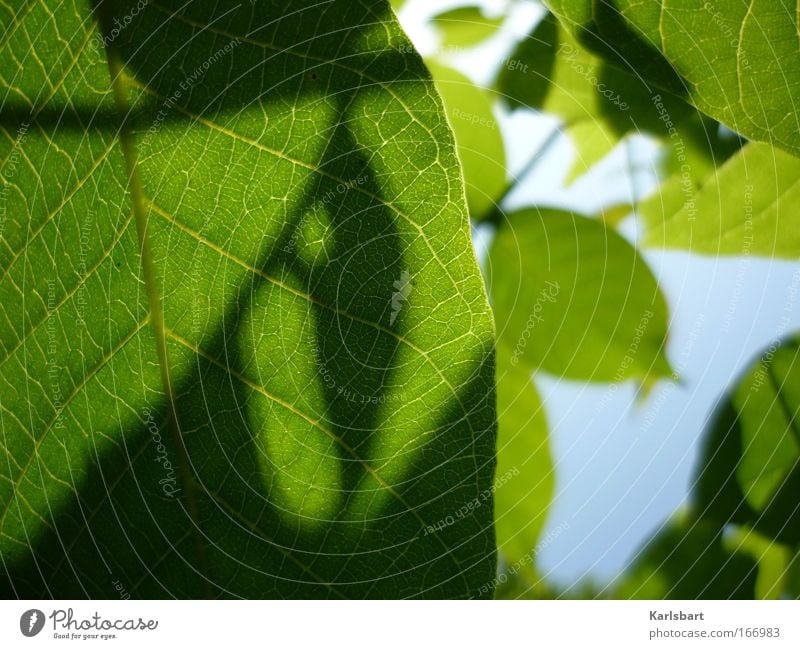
(735, 61)
(600, 104)
(573, 298)
(747, 206)
(465, 26)
(245, 349)
(688, 560)
(525, 478)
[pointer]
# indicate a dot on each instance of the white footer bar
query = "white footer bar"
(389, 625)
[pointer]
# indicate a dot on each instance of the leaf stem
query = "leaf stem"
(631, 169)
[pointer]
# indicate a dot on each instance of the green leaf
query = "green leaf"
(528, 75)
(478, 136)
(747, 206)
(465, 26)
(573, 298)
(735, 61)
(688, 560)
(549, 71)
(613, 215)
(245, 347)
(600, 104)
(750, 470)
(773, 560)
(524, 481)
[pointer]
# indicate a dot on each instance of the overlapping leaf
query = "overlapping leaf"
(741, 536)
(600, 103)
(773, 580)
(689, 559)
(525, 477)
(750, 469)
(735, 61)
(556, 279)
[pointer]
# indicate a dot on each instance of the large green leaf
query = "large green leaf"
(747, 206)
(735, 61)
(750, 469)
(573, 298)
(245, 346)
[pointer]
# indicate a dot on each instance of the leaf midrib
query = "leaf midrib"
(128, 144)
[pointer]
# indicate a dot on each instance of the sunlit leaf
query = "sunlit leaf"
(773, 561)
(747, 206)
(550, 71)
(465, 26)
(600, 104)
(245, 348)
(593, 142)
(735, 61)
(524, 479)
(573, 298)
(615, 214)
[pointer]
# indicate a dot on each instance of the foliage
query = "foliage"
(608, 71)
(246, 347)
(734, 61)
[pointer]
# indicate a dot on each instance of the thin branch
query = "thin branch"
(496, 213)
